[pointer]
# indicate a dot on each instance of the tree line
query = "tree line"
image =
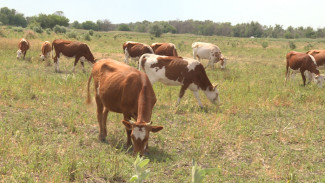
(206, 28)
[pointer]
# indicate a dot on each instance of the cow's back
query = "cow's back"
(319, 56)
(167, 49)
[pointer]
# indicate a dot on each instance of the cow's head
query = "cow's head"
(42, 57)
(213, 94)
(140, 134)
(223, 62)
(19, 53)
(319, 80)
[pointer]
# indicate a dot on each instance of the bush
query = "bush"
(156, 29)
(18, 29)
(292, 45)
(59, 29)
(308, 46)
(72, 34)
(38, 29)
(2, 34)
(265, 44)
(91, 32)
(87, 37)
(30, 35)
(48, 31)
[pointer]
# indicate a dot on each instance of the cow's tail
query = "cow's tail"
(88, 101)
(52, 50)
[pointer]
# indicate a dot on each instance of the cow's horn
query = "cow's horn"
(132, 122)
(149, 123)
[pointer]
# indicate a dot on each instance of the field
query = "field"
(263, 131)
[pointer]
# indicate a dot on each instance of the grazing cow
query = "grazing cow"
(319, 56)
(23, 46)
(187, 72)
(303, 63)
(208, 51)
(123, 89)
(168, 49)
(72, 49)
(46, 50)
(135, 50)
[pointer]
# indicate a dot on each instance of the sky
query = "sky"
(267, 12)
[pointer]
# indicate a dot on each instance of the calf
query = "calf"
(72, 49)
(23, 46)
(135, 50)
(168, 49)
(302, 62)
(188, 73)
(208, 51)
(46, 50)
(123, 89)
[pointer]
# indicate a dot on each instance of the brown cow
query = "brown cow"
(187, 72)
(168, 49)
(75, 49)
(302, 62)
(319, 56)
(123, 89)
(135, 50)
(46, 50)
(23, 46)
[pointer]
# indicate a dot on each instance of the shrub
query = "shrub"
(37, 29)
(91, 32)
(198, 173)
(87, 37)
(72, 34)
(141, 173)
(265, 44)
(18, 29)
(156, 29)
(292, 45)
(59, 29)
(48, 31)
(30, 35)
(308, 46)
(2, 34)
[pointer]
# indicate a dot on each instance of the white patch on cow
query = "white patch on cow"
(19, 53)
(42, 57)
(98, 88)
(191, 63)
(313, 59)
(212, 95)
(139, 133)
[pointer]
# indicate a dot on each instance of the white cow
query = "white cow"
(208, 51)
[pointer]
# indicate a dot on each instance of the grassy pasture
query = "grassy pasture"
(263, 131)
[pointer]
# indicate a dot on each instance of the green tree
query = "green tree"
(49, 21)
(156, 29)
(123, 27)
(11, 17)
(89, 25)
(76, 25)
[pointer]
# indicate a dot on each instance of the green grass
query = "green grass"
(263, 131)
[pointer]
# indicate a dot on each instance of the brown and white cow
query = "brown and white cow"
(319, 56)
(208, 51)
(168, 49)
(305, 64)
(123, 89)
(75, 49)
(23, 46)
(46, 50)
(187, 72)
(135, 50)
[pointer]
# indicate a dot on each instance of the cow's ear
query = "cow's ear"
(215, 86)
(127, 124)
(155, 129)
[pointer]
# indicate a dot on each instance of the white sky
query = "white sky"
(266, 12)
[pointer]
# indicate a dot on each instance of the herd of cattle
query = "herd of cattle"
(124, 89)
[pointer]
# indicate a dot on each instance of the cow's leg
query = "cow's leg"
(303, 77)
(100, 109)
(128, 132)
(196, 94)
(82, 61)
(24, 54)
(75, 63)
(126, 56)
(56, 61)
(181, 94)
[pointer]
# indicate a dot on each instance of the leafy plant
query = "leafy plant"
(198, 173)
(265, 44)
(140, 172)
(292, 45)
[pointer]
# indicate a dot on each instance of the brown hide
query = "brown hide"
(319, 56)
(136, 49)
(167, 49)
(46, 48)
(302, 62)
(123, 89)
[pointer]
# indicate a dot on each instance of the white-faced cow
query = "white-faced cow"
(46, 50)
(123, 89)
(187, 72)
(72, 49)
(135, 50)
(168, 49)
(319, 56)
(23, 46)
(208, 51)
(305, 64)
